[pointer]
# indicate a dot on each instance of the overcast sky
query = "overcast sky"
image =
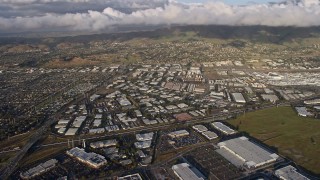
(100, 15)
(232, 2)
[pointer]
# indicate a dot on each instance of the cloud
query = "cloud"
(293, 13)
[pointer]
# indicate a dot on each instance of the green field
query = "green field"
(295, 137)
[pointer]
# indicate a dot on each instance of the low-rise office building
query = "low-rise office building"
(92, 159)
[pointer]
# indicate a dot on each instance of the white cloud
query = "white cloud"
(217, 13)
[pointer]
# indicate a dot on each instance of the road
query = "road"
(11, 166)
(7, 170)
(216, 117)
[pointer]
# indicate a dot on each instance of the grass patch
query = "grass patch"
(295, 137)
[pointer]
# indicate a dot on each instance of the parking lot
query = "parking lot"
(212, 164)
(168, 143)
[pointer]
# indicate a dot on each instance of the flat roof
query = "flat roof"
(230, 157)
(105, 143)
(223, 128)
(210, 135)
(71, 131)
(143, 144)
(302, 111)
(183, 117)
(131, 177)
(186, 172)
(93, 159)
(251, 153)
(238, 97)
(179, 133)
(271, 97)
(288, 173)
(200, 128)
(145, 136)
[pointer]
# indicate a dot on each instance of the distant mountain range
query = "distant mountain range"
(263, 34)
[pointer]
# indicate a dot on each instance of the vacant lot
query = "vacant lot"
(295, 137)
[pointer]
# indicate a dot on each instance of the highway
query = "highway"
(7, 170)
(12, 165)
(216, 117)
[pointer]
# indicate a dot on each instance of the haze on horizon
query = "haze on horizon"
(101, 15)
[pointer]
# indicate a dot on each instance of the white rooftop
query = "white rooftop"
(145, 136)
(185, 172)
(289, 173)
(142, 144)
(252, 154)
(200, 128)
(223, 128)
(92, 159)
(71, 131)
(210, 135)
(105, 143)
(179, 133)
(238, 97)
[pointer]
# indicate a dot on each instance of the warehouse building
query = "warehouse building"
(142, 144)
(242, 152)
(288, 173)
(180, 133)
(63, 121)
(209, 135)
(130, 177)
(105, 143)
(144, 140)
(71, 131)
(138, 113)
(200, 128)
(92, 159)
(238, 98)
(223, 128)
(302, 111)
(184, 171)
(270, 97)
(145, 136)
(312, 102)
(62, 130)
(40, 169)
(182, 117)
(78, 121)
